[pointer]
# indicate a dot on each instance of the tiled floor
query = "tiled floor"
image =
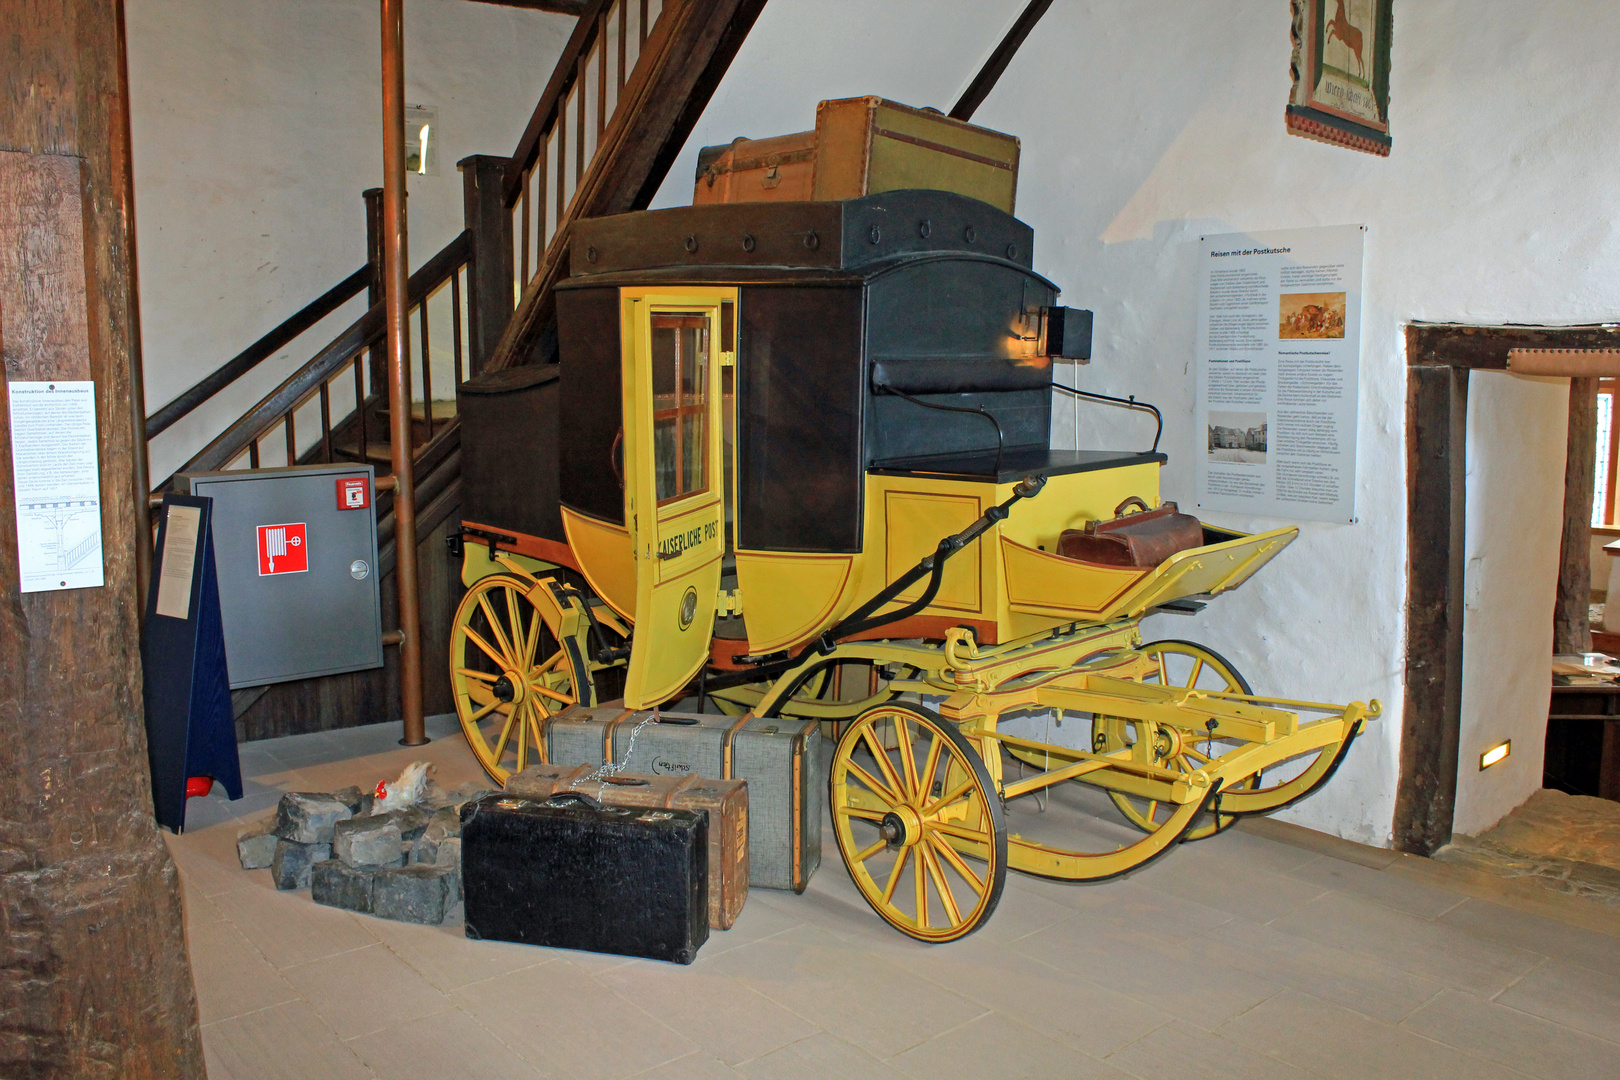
(1262, 954)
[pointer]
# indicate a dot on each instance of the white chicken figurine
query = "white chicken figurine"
(404, 792)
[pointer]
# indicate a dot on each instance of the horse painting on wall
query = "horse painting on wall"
(1341, 73)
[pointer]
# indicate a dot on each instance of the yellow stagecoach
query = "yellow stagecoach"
(784, 443)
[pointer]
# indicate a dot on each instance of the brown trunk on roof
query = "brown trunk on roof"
(94, 978)
(638, 147)
(1570, 630)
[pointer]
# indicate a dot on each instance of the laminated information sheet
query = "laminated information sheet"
(58, 487)
(1279, 369)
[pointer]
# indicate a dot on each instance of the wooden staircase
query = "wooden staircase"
(627, 90)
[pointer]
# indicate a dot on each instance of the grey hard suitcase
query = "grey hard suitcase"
(780, 759)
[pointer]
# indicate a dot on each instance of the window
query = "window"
(1603, 508)
(680, 384)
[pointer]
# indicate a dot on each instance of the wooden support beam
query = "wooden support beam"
(1487, 347)
(985, 81)
(1571, 632)
(94, 975)
(1436, 515)
(489, 229)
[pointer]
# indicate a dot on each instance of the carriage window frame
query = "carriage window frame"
(700, 408)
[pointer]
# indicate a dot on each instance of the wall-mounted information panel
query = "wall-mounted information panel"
(296, 550)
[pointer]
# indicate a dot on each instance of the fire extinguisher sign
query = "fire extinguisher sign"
(283, 549)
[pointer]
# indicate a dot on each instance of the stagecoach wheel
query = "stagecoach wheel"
(1179, 664)
(508, 673)
(918, 822)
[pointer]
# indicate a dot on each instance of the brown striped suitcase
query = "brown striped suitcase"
(725, 801)
(863, 146)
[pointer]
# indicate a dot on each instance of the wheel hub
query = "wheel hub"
(508, 688)
(901, 827)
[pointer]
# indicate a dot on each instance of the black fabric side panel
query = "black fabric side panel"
(592, 389)
(799, 396)
(898, 428)
(509, 451)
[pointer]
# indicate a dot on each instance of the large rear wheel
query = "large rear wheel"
(509, 673)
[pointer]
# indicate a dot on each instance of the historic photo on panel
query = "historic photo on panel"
(1237, 437)
(1310, 315)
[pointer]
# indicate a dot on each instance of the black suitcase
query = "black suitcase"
(571, 873)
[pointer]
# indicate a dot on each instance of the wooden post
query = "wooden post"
(377, 358)
(397, 299)
(489, 224)
(1436, 515)
(1571, 632)
(94, 976)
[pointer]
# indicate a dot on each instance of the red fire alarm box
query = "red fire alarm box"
(283, 549)
(353, 493)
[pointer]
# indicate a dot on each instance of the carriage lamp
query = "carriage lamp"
(1066, 334)
(1495, 754)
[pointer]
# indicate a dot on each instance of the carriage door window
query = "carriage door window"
(680, 385)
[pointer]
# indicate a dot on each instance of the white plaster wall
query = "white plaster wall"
(1145, 125)
(255, 127)
(1515, 519)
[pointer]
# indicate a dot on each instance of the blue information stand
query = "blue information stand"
(190, 728)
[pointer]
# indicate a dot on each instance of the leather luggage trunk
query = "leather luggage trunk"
(780, 759)
(863, 146)
(781, 169)
(1145, 538)
(725, 802)
(572, 874)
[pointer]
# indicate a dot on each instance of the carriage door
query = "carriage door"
(674, 489)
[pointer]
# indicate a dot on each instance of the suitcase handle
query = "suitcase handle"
(1119, 511)
(563, 798)
(624, 781)
(683, 721)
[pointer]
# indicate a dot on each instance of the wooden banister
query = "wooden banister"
(275, 406)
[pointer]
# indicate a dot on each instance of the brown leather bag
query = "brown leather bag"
(1145, 538)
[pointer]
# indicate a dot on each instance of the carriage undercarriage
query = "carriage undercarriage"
(922, 773)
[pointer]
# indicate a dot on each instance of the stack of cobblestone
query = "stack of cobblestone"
(399, 864)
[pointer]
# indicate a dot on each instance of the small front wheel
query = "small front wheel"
(918, 821)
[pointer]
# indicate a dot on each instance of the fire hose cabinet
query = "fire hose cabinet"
(296, 550)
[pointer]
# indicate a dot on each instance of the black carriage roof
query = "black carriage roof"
(834, 243)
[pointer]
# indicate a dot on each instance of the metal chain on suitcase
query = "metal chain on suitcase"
(609, 768)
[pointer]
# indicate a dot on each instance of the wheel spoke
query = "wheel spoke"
(506, 735)
(894, 875)
(920, 872)
(554, 695)
(949, 797)
(946, 898)
(480, 693)
(867, 853)
(884, 765)
(485, 711)
(931, 763)
(481, 676)
(1198, 668)
(535, 720)
(520, 645)
(877, 788)
(522, 735)
(950, 855)
(908, 764)
(1164, 677)
(495, 628)
(950, 828)
(489, 650)
(858, 812)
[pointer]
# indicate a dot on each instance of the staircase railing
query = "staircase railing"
(338, 392)
(625, 133)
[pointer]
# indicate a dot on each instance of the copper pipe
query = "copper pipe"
(396, 302)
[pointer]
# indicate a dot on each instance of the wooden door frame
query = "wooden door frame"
(1439, 357)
